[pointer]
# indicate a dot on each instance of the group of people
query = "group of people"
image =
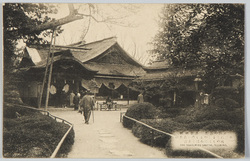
(84, 103)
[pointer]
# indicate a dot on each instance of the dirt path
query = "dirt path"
(105, 138)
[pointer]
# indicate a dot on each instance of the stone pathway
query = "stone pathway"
(105, 137)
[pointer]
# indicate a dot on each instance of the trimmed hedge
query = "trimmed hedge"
(32, 134)
(159, 139)
(139, 111)
(227, 103)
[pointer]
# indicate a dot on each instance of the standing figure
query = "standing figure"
(109, 103)
(64, 99)
(140, 98)
(76, 101)
(71, 99)
(87, 103)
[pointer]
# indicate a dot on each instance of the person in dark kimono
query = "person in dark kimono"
(87, 104)
(109, 103)
(64, 99)
(76, 101)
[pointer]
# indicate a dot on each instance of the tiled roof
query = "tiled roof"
(170, 72)
(157, 65)
(96, 49)
(84, 53)
(115, 69)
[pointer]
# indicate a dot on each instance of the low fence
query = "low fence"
(54, 117)
(122, 114)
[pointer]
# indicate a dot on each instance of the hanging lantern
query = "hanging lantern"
(52, 89)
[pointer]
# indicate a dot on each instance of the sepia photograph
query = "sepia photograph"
(123, 80)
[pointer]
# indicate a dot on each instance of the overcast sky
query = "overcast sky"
(143, 20)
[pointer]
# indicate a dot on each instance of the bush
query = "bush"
(174, 111)
(202, 113)
(33, 135)
(138, 112)
(216, 125)
(227, 103)
(224, 92)
(210, 125)
(236, 116)
(158, 139)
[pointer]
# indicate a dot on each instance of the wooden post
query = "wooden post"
(49, 79)
(152, 137)
(46, 71)
(128, 95)
(174, 98)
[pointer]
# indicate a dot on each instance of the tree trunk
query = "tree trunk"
(73, 16)
(55, 23)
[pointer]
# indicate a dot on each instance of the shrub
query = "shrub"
(205, 113)
(218, 125)
(224, 92)
(209, 125)
(158, 139)
(236, 116)
(227, 103)
(174, 111)
(139, 111)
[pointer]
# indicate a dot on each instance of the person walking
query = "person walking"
(87, 103)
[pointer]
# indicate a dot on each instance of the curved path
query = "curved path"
(105, 137)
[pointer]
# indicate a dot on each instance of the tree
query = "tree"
(17, 18)
(207, 35)
(31, 23)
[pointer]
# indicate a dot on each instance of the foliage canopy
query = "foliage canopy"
(18, 18)
(210, 36)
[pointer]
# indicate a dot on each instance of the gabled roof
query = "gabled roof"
(96, 48)
(84, 53)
